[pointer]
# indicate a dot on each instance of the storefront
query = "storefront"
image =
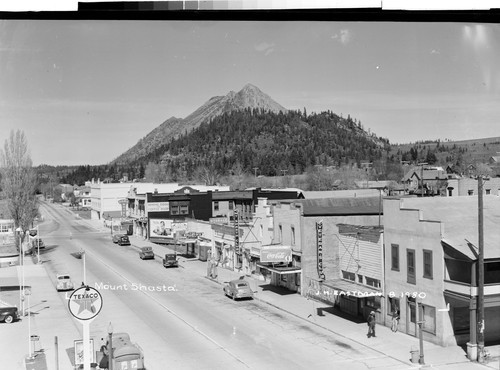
(282, 265)
(354, 299)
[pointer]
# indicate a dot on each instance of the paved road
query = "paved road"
(181, 320)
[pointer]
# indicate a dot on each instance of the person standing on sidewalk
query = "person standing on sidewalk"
(395, 320)
(371, 325)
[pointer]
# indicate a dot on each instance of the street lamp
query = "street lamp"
(82, 255)
(110, 344)
(38, 244)
(27, 292)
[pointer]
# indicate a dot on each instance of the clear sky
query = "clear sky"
(86, 91)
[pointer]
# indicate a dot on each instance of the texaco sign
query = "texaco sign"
(85, 303)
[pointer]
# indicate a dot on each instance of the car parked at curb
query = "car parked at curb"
(170, 260)
(64, 282)
(9, 314)
(237, 289)
(146, 253)
(123, 240)
(116, 237)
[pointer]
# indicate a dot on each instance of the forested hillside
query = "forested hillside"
(273, 142)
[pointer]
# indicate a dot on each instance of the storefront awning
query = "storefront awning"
(351, 287)
(281, 270)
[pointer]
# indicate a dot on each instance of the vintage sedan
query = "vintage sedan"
(123, 240)
(237, 289)
(8, 314)
(117, 237)
(64, 282)
(146, 253)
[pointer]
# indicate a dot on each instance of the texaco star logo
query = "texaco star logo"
(85, 303)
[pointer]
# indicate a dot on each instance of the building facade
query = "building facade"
(431, 266)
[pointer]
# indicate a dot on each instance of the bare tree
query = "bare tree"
(206, 174)
(19, 181)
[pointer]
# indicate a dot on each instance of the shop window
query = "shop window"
(184, 210)
(297, 279)
(395, 257)
(461, 320)
(427, 264)
(216, 206)
(174, 210)
(393, 304)
(372, 282)
(283, 278)
(429, 315)
(410, 266)
(348, 275)
(373, 302)
(360, 279)
(488, 191)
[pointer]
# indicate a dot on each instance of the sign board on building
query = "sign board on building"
(237, 247)
(158, 207)
(319, 246)
(276, 254)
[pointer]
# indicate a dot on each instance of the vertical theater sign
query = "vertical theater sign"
(319, 248)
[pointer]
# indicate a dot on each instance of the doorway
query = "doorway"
(411, 317)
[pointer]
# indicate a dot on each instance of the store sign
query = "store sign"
(85, 303)
(79, 358)
(319, 246)
(158, 207)
(276, 254)
(237, 247)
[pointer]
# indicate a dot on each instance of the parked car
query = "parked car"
(123, 240)
(147, 253)
(9, 314)
(64, 282)
(37, 243)
(170, 260)
(117, 237)
(237, 289)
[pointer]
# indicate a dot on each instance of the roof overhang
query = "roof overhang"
(281, 270)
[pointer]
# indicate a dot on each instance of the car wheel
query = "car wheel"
(9, 319)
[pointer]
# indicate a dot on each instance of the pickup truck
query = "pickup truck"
(170, 260)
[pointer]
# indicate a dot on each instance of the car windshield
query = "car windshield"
(242, 285)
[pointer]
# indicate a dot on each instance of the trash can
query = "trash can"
(415, 355)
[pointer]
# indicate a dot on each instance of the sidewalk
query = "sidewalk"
(44, 311)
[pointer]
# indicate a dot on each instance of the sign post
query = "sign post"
(84, 304)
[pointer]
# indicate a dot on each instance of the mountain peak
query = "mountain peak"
(250, 96)
(250, 87)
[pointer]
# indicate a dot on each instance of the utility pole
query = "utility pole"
(480, 289)
(422, 178)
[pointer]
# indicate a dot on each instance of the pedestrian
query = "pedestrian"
(371, 325)
(395, 320)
